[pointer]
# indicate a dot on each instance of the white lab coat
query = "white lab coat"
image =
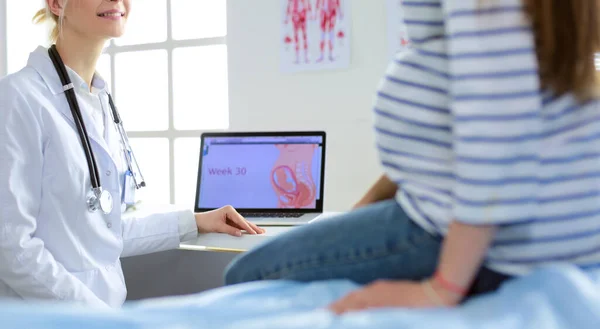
(51, 246)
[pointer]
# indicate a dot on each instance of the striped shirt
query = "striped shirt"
(464, 128)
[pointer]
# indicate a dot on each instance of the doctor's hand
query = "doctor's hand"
(225, 220)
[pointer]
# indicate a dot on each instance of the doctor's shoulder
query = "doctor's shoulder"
(24, 90)
(23, 95)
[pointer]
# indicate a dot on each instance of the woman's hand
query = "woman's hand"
(383, 189)
(225, 220)
(395, 294)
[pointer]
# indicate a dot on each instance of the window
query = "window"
(22, 36)
(168, 76)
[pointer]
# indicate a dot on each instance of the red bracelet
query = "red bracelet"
(449, 285)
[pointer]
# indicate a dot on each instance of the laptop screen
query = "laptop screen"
(261, 172)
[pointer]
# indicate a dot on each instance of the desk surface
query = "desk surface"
(227, 243)
(217, 241)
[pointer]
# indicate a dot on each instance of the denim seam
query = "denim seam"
(414, 241)
(347, 260)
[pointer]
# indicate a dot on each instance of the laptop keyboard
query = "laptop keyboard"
(272, 215)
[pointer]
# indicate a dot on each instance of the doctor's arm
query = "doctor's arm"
(149, 232)
(160, 231)
(26, 266)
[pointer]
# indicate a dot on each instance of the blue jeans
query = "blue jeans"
(376, 242)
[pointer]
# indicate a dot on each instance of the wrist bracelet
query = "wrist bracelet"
(447, 285)
(432, 294)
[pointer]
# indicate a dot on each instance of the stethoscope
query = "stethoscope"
(98, 198)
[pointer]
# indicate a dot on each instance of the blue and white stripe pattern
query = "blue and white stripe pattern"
(465, 130)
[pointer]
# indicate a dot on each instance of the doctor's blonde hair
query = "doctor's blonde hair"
(45, 15)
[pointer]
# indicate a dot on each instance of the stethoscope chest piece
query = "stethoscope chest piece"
(100, 199)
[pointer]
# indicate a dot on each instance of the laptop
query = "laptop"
(271, 178)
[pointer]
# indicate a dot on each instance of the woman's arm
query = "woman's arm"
(463, 251)
(494, 102)
(462, 254)
(383, 189)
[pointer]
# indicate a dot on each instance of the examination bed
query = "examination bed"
(555, 297)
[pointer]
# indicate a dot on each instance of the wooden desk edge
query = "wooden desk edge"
(206, 248)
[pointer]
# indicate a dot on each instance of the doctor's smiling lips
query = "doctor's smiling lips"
(113, 14)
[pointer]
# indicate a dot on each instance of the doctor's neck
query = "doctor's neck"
(80, 53)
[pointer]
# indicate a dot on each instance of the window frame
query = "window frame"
(171, 133)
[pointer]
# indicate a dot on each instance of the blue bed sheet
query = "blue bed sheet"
(555, 297)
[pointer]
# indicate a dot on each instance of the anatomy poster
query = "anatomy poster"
(397, 33)
(315, 35)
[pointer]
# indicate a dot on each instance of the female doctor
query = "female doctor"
(66, 168)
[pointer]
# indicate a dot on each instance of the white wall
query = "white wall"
(339, 102)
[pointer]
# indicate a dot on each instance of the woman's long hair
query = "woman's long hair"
(567, 36)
